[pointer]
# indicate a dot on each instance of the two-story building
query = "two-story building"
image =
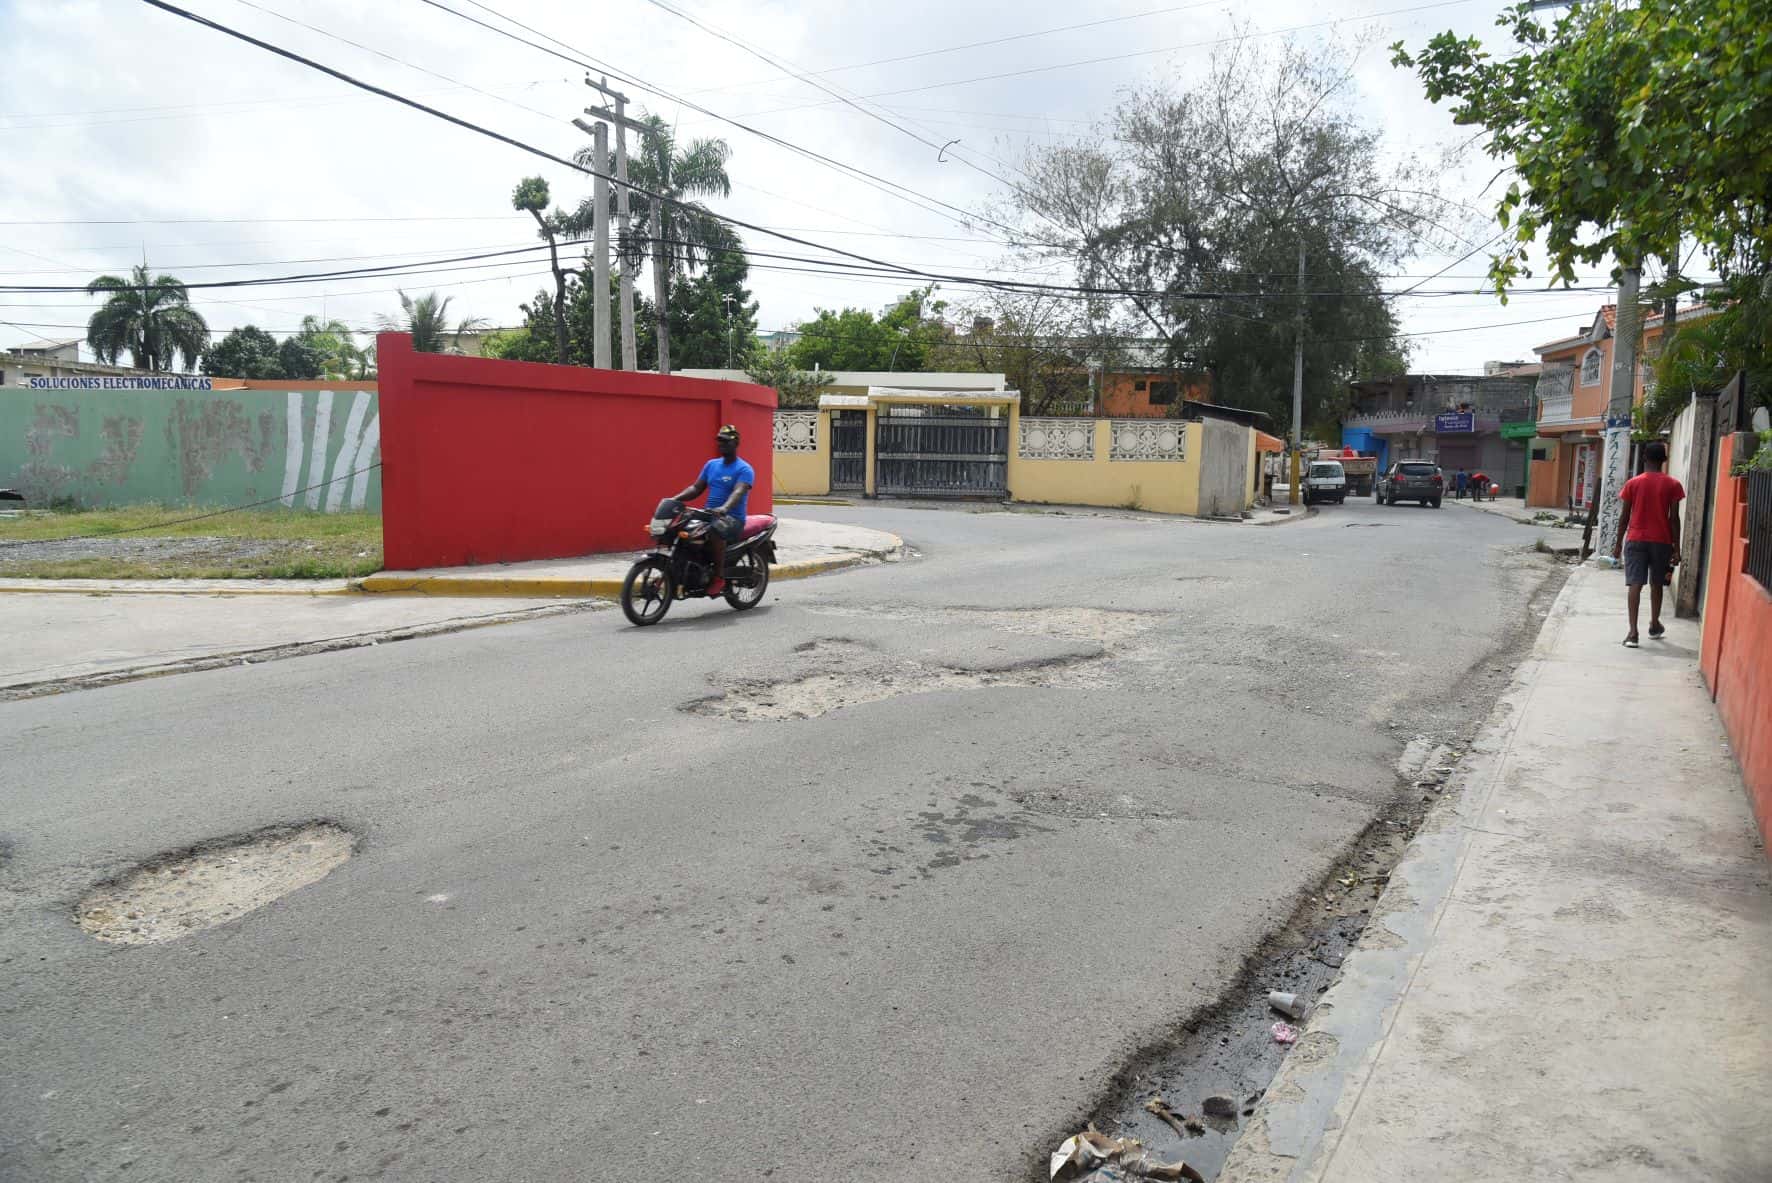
(1476, 422)
(1574, 388)
(53, 359)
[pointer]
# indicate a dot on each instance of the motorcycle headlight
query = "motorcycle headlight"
(656, 529)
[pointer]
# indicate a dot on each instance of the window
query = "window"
(1138, 385)
(1162, 393)
(1590, 367)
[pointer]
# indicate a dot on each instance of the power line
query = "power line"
(585, 61)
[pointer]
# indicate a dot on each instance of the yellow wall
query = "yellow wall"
(806, 474)
(1162, 486)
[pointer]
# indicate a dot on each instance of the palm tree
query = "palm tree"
(427, 320)
(150, 319)
(337, 346)
(676, 230)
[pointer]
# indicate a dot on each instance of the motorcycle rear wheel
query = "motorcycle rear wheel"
(647, 592)
(747, 597)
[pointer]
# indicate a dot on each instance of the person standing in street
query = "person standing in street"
(1460, 480)
(1479, 485)
(1649, 536)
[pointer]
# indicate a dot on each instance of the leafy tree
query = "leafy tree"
(426, 318)
(334, 341)
(854, 339)
(1631, 130)
(1040, 343)
(531, 194)
(713, 317)
(1191, 209)
(679, 230)
(300, 359)
(534, 341)
(246, 352)
(793, 386)
(150, 319)
(1644, 122)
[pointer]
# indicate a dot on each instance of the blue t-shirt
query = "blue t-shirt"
(721, 474)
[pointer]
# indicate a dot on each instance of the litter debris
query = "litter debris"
(1219, 1107)
(1285, 1033)
(1176, 1121)
(1092, 1148)
(1287, 1003)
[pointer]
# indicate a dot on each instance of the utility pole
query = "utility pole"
(600, 244)
(1298, 383)
(619, 117)
(726, 298)
(1620, 397)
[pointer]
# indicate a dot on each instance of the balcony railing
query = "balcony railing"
(1557, 408)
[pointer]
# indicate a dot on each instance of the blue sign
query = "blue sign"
(1449, 421)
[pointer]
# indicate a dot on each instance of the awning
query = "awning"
(1269, 443)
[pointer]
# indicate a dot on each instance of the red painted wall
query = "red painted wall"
(488, 461)
(1737, 643)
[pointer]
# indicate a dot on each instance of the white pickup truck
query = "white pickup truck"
(1325, 480)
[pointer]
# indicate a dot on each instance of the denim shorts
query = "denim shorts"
(1647, 562)
(728, 527)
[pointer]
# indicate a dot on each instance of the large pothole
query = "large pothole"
(177, 894)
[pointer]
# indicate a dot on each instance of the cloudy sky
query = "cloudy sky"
(130, 132)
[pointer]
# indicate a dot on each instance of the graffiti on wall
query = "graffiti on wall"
(140, 445)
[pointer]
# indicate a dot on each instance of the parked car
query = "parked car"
(1412, 480)
(1326, 480)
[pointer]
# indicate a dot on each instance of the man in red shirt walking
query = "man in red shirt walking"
(1649, 535)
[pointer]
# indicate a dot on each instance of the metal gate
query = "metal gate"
(849, 450)
(939, 451)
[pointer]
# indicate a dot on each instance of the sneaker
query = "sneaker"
(716, 587)
(1655, 630)
(1630, 642)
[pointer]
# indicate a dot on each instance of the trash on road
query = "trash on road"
(1176, 1121)
(1285, 1033)
(1287, 1003)
(1219, 1107)
(1092, 1148)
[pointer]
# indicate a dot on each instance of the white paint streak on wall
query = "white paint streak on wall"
(292, 449)
(347, 451)
(322, 444)
(365, 456)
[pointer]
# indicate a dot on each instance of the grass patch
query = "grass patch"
(251, 544)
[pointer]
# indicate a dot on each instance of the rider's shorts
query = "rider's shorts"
(728, 527)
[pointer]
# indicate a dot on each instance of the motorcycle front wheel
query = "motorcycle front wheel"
(755, 572)
(647, 592)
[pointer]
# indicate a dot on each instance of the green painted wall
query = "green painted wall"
(191, 447)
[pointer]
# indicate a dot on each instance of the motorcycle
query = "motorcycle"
(679, 566)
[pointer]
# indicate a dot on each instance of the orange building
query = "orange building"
(1151, 394)
(1574, 387)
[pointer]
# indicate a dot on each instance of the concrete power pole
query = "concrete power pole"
(600, 244)
(619, 117)
(1298, 382)
(1615, 461)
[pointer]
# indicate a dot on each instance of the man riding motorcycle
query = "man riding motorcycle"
(727, 481)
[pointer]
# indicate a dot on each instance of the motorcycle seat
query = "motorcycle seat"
(756, 523)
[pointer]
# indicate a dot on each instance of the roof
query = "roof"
(44, 345)
(1269, 443)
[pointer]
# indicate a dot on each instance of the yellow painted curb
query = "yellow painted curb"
(812, 501)
(519, 587)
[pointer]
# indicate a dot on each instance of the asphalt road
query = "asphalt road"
(617, 913)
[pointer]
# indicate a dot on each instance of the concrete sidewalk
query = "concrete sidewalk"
(803, 548)
(1566, 977)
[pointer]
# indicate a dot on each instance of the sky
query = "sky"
(131, 133)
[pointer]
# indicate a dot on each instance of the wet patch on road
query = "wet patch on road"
(187, 891)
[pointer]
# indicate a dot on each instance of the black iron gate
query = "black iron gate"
(938, 451)
(849, 450)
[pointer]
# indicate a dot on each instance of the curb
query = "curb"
(1296, 1126)
(602, 589)
(813, 501)
(146, 587)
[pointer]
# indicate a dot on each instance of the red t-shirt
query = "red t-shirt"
(1650, 495)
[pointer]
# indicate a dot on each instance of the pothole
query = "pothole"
(188, 891)
(815, 694)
